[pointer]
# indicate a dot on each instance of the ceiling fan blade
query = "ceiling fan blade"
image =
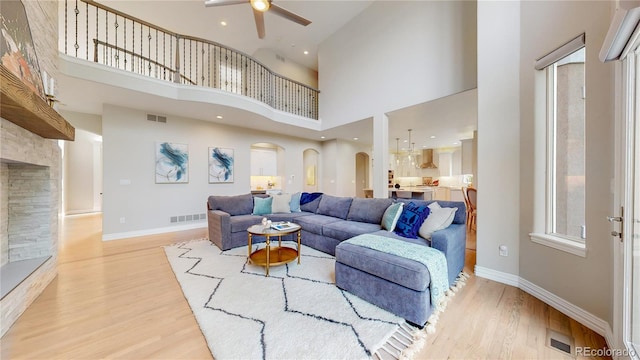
(210, 3)
(259, 17)
(289, 15)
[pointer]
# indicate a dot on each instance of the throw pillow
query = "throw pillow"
(281, 204)
(410, 220)
(391, 216)
(262, 206)
(294, 205)
(435, 205)
(439, 218)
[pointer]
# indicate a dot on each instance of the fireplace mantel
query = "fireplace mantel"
(24, 108)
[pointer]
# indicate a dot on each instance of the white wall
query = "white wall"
(129, 147)
(499, 134)
(339, 166)
(82, 173)
(585, 282)
(396, 54)
(287, 67)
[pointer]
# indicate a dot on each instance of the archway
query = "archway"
(362, 173)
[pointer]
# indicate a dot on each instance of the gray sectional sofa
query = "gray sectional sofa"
(327, 221)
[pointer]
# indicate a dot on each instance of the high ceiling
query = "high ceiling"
(191, 17)
(450, 119)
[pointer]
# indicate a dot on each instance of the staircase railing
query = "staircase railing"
(95, 32)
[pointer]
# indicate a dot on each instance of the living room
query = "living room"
(501, 70)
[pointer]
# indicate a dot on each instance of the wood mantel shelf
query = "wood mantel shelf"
(24, 108)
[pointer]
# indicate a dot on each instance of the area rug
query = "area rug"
(295, 313)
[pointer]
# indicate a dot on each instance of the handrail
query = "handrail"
(132, 44)
(98, 42)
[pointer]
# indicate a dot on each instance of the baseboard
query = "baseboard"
(580, 315)
(577, 313)
(169, 229)
(497, 276)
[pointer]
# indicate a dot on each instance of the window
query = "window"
(564, 192)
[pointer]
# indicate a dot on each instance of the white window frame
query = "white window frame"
(544, 210)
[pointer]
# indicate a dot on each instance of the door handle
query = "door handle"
(619, 219)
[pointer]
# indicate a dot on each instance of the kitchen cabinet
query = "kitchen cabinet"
(467, 156)
(441, 193)
(264, 162)
(450, 162)
(456, 194)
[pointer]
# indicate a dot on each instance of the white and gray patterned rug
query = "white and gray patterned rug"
(296, 313)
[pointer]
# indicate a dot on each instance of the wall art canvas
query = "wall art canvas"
(172, 163)
(17, 52)
(220, 165)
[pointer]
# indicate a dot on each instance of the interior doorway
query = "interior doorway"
(82, 180)
(362, 173)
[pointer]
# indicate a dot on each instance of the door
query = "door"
(626, 219)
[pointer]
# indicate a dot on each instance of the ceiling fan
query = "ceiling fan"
(259, 8)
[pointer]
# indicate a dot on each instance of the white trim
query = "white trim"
(498, 276)
(169, 229)
(558, 243)
(79, 212)
(575, 312)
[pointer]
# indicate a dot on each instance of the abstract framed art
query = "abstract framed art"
(172, 163)
(220, 165)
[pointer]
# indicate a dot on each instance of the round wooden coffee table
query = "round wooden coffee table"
(279, 255)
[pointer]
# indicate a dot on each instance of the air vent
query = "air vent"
(280, 57)
(157, 118)
(561, 342)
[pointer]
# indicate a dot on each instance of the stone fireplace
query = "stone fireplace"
(29, 203)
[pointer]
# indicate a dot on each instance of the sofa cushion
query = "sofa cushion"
(294, 204)
(233, 205)
(368, 210)
(311, 206)
(281, 203)
(461, 214)
(391, 216)
(243, 222)
(262, 206)
(334, 206)
(439, 218)
(411, 219)
(345, 229)
(396, 269)
(313, 223)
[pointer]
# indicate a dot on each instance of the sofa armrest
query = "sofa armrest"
(219, 228)
(452, 241)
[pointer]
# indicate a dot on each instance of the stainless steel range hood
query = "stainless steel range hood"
(427, 159)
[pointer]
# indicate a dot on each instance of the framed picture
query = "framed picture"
(220, 165)
(172, 163)
(17, 52)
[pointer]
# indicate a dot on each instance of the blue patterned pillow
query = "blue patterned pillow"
(391, 216)
(262, 206)
(410, 220)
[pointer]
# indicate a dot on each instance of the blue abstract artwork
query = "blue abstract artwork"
(220, 165)
(172, 163)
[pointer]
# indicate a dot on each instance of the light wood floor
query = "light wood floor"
(120, 299)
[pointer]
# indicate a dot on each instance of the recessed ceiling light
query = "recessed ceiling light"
(219, 117)
(406, 141)
(223, 23)
(322, 137)
(432, 137)
(306, 52)
(455, 143)
(355, 138)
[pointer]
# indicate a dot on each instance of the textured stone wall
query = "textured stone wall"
(20, 145)
(4, 209)
(29, 212)
(17, 148)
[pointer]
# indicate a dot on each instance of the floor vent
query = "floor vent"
(560, 342)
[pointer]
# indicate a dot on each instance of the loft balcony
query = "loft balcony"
(94, 32)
